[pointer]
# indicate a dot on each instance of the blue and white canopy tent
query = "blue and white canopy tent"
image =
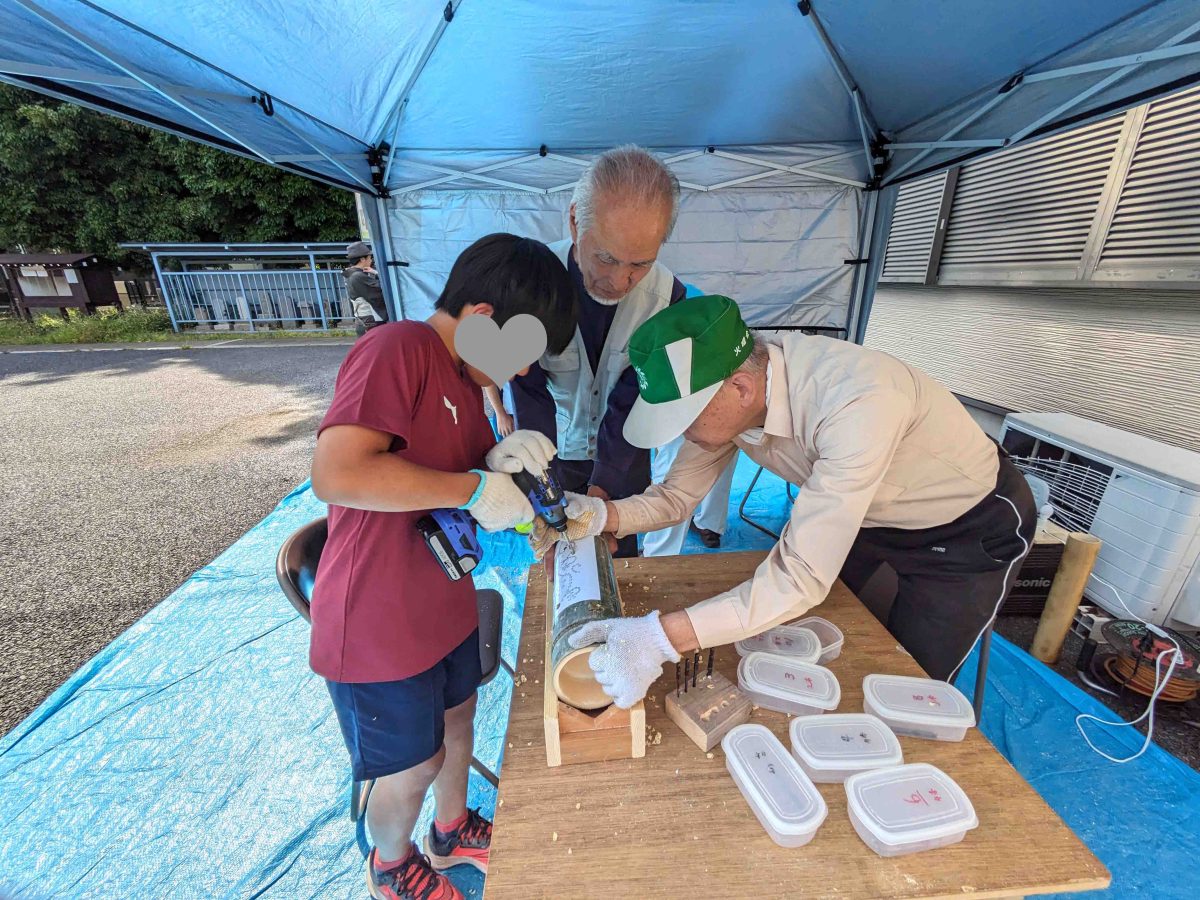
(456, 119)
(782, 120)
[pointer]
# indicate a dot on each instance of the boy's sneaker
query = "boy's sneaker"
(413, 879)
(469, 845)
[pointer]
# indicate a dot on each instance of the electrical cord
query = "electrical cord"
(1160, 683)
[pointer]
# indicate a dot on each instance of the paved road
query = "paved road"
(124, 471)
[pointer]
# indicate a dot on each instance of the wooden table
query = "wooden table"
(675, 825)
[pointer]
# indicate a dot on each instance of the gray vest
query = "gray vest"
(581, 397)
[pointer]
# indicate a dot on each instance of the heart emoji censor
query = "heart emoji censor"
(500, 353)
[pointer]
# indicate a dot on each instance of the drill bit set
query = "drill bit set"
(705, 705)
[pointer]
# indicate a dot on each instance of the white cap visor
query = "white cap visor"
(652, 425)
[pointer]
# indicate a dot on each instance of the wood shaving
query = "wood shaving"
(708, 755)
(577, 805)
(568, 851)
(554, 836)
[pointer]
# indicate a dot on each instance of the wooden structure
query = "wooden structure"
(673, 824)
(707, 711)
(1072, 576)
(59, 281)
(577, 736)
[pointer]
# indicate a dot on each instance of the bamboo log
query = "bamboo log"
(1066, 591)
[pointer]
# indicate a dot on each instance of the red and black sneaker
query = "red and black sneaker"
(413, 879)
(469, 845)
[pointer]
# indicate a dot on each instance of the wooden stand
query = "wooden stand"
(706, 712)
(1065, 593)
(575, 736)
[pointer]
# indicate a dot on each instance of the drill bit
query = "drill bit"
(687, 673)
(708, 671)
(695, 667)
(678, 683)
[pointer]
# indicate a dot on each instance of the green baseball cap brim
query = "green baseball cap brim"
(651, 425)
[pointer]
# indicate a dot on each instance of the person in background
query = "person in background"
(395, 639)
(621, 213)
(503, 420)
(363, 289)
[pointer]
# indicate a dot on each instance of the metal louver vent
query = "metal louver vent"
(914, 225)
(1031, 207)
(1158, 216)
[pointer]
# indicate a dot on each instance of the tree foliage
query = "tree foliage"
(74, 180)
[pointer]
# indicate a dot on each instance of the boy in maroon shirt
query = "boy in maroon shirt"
(396, 640)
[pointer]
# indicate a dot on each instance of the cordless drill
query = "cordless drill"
(450, 533)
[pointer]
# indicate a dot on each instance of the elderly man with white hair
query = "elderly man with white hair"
(623, 210)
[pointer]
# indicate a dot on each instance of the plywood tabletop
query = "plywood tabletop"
(675, 825)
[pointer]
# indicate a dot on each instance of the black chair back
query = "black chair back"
(296, 565)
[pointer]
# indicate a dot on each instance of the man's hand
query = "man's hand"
(589, 512)
(523, 449)
(632, 657)
(499, 505)
(594, 490)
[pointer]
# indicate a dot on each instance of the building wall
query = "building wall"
(1130, 359)
(1059, 275)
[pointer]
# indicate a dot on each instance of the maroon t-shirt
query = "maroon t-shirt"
(382, 607)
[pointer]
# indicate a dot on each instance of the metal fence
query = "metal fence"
(256, 299)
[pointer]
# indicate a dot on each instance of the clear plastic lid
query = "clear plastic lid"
(789, 679)
(772, 781)
(909, 804)
(783, 640)
(919, 700)
(845, 741)
(827, 633)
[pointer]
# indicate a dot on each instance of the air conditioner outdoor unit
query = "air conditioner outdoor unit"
(1141, 497)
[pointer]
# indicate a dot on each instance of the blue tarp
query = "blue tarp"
(198, 757)
(1139, 818)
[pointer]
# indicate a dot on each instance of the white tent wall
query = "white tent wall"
(779, 245)
(780, 254)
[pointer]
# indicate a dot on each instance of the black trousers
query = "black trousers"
(953, 578)
(574, 475)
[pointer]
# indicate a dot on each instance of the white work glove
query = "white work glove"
(523, 449)
(498, 503)
(632, 657)
(587, 515)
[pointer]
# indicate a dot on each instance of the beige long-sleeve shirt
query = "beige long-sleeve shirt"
(872, 442)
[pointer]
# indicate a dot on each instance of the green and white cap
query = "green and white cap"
(681, 356)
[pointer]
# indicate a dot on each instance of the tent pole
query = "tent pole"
(377, 216)
(131, 70)
(1101, 84)
(955, 129)
(100, 79)
(397, 111)
(324, 155)
(862, 271)
(158, 39)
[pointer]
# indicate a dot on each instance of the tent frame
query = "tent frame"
(1173, 47)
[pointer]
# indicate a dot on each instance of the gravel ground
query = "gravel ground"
(122, 472)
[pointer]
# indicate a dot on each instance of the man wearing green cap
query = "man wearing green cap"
(891, 467)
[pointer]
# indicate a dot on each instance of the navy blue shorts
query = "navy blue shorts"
(390, 726)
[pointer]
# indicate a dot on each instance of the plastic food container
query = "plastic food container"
(783, 640)
(788, 685)
(908, 809)
(827, 633)
(918, 707)
(783, 799)
(832, 748)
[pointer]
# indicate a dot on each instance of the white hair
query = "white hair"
(756, 362)
(631, 173)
